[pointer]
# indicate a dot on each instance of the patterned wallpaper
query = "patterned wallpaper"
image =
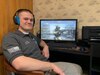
(86, 11)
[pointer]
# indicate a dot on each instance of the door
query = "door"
(7, 10)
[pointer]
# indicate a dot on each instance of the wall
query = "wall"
(86, 11)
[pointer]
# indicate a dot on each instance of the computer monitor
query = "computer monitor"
(58, 29)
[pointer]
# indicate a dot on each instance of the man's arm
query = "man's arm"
(23, 63)
(45, 50)
(43, 44)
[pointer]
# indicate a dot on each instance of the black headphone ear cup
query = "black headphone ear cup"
(17, 20)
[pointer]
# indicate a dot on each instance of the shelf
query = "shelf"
(95, 73)
(96, 68)
(95, 49)
(95, 57)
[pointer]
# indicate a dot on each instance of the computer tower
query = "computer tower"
(90, 32)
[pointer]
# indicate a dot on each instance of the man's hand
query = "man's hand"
(45, 51)
(57, 70)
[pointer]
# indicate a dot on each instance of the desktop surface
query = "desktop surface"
(69, 47)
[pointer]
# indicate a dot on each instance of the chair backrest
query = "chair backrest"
(9, 69)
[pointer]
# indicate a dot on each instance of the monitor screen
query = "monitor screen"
(58, 29)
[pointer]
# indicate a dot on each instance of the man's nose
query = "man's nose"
(29, 20)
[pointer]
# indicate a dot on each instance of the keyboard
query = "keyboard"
(61, 45)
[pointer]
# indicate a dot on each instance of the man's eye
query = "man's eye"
(28, 19)
(31, 20)
(25, 18)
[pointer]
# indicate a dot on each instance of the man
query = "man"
(21, 48)
(57, 32)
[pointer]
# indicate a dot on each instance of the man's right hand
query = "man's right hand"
(57, 70)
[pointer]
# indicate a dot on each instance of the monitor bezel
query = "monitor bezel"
(60, 20)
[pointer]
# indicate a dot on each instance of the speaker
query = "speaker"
(85, 32)
(90, 32)
(16, 18)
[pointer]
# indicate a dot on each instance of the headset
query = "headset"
(16, 18)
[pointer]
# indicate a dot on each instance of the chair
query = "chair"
(10, 70)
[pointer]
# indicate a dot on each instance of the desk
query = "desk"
(77, 57)
(72, 51)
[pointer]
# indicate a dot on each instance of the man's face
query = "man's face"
(26, 21)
